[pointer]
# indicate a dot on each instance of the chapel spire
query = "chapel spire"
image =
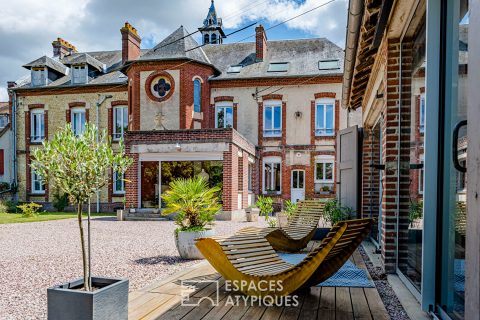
(212, 32)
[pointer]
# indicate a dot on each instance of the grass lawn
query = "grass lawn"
(45, 216)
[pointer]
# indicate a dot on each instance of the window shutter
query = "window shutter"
(2, 162)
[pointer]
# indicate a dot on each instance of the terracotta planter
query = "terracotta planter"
(185, 242)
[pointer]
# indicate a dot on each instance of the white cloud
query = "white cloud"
(28, 27)
(3, 94)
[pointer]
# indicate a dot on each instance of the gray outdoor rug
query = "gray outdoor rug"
(349, 274)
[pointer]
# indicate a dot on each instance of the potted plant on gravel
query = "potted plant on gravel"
(265, 204)
(78, 166)
(252, 213)
(195, 205)
(287, 212)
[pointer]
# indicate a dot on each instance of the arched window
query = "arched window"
(206, 39)
(214, 38)
(197, 95)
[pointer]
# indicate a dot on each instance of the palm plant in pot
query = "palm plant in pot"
(195, 205)
(78, 166)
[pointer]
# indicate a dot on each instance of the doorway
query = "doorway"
(297, 191)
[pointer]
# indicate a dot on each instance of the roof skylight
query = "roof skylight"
(278, 67)
(329, 64)
(235, 69)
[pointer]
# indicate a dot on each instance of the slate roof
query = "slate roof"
(82, 58)
(302, 55)
(47, 62)
(177, 45)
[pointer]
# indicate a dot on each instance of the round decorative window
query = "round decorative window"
(159, 86)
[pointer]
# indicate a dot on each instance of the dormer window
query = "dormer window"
(39, 76)
(79, 74)
(278, 67)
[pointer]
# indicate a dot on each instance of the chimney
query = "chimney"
(261, 43)
(130, 43)
(62, 48)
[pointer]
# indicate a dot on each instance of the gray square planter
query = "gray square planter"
(110, 302)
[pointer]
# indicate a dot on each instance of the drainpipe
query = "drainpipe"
(100, 101)
(355, 14)
(14, 141)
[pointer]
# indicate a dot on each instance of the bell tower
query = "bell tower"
(212, 32)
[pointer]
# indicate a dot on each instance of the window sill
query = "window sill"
(272, 193)
(36, 194)
(118, 194)
(325, 135)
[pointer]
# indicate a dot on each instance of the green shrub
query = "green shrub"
(3, 207)
(29, 210)
(334, 212)
(290, 208)
(415, 210)
(60, 201)
(194, 202)
(265, 204)
(8, 206)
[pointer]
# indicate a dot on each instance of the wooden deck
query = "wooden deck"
(162, 301)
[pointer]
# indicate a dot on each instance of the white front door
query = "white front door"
(298, 186)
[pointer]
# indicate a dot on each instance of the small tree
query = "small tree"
(194, 202)
(78, 166)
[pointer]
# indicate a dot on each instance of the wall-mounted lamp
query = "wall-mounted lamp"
(298, 114)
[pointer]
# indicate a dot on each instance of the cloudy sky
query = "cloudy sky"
(27, 27)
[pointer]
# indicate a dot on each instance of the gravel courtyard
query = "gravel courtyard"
(37, 255)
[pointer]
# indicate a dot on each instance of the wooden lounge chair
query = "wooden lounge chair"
(299, 231)
(248, 260)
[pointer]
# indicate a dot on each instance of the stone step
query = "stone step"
(141, 218)
(145, 215)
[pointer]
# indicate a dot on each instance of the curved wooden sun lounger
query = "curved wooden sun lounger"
(299, 231)
(248, 261)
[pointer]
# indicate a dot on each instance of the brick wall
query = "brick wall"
(187, 73)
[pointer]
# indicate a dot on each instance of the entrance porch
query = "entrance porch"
(222, 156)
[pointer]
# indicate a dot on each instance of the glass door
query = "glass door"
(453, 219)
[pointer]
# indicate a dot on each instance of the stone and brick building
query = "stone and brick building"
(255, 117)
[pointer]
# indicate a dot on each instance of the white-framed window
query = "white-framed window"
(3, 120)
(272, 175)
(421, 176)
(79, 118)
(120, 121)
(39, 76)
(79, 74)
(324, 117)
(324, 170)
(422, 113)
(37, 125)
(272, 119)
(118, 182)
(224, 116)
(197, 95)
(324, 174)
(38, 185)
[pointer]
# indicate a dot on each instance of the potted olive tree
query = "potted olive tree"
(195, 205)
(78, 166)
